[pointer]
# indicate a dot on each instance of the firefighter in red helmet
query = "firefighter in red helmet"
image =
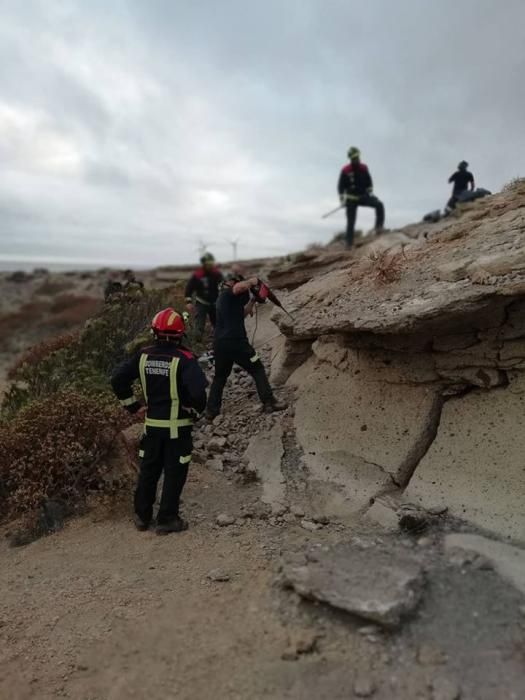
(174, 390)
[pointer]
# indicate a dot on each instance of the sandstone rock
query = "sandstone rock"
(475, 464)
(265, 452)
(509, 561)
(454, 271)
(499, 263)
(224, 519)
(384, 516)
(216, 464)
(358, 464)
(216, 444)
(310, 526)
(379, 585)
(218, 575)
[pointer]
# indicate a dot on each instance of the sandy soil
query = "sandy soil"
(100, 611)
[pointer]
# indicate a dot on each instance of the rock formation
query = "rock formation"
(408, 357)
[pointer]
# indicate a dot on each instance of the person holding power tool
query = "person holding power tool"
(174, 388)
(204, 285)
(355, 190)
(237, 300)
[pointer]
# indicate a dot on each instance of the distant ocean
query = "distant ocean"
(10, 263)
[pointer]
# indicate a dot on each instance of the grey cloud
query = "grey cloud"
(188, 121)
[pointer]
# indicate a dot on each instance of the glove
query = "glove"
(342, 198)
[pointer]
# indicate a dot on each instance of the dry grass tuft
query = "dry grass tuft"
(387, 266)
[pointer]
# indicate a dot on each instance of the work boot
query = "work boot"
(273, 406)
(176, 524)
(211, 415)
(140, 524)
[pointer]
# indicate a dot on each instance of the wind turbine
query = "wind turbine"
(234, 242)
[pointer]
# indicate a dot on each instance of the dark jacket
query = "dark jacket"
(461, 180)
(173, 384)
(355, 180)
(205, 285)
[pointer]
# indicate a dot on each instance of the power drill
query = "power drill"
(262, 293)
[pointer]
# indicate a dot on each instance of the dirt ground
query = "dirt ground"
(102, 612)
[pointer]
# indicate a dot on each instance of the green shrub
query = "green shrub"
(55, 448)
(82, 361)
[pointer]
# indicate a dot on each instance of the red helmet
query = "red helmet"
(168, 322)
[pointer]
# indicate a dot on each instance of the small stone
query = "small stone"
(216, 464)
(224, 519)
(289, 655)
(445, 689)
(309, 525)
(289, 518)
(278, 509)
(429, 655)
(424, 542)
(320, 519)
(216, 444)
(303, 641)
(369, 629)
(297, 511)
(218, 575)
(364, 687)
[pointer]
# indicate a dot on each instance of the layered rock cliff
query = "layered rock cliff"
(408, 356)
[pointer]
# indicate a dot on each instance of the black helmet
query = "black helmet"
(207, 258)
(233, 277)
(354, 152)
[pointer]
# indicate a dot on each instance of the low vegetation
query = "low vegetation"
(59, 419)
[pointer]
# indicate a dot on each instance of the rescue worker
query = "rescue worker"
(463, 180)
(355, 190)
(174, 389)
(132, 284)
(231, 344)
(204, 285)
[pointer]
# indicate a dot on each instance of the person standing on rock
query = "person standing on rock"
(231, 346)
(204, 286)
(463, 181)
(174, 389)
(355, 190)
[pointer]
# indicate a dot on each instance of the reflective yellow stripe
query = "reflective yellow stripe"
(254, 358)
(141, 453)
(167, 423)
(185, 460)
(142, 372)
(128, 402)
(174, 395)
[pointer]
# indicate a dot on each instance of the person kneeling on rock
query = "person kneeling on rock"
(236, 301)
(174, 388)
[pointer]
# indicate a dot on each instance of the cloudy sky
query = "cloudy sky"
(132, 130)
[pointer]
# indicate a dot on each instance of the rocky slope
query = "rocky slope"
(408, 358)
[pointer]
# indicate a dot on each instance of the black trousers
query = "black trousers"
(239, 352)
(202, 312)
(365, 200)
(162, 454)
